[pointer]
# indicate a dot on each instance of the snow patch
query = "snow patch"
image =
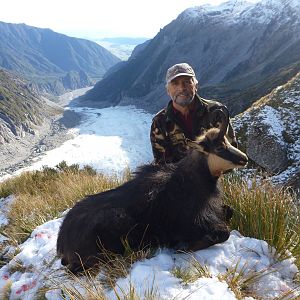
(38, 262)
(4, 209)
(108, 139)
(272, 118)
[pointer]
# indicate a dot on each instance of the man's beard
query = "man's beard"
(183, 102)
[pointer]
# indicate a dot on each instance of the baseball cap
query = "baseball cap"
(182, 69)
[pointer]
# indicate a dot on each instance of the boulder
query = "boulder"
(266, 149)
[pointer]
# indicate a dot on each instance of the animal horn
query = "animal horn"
(219, 115)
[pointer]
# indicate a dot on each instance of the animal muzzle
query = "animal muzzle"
(235, 156)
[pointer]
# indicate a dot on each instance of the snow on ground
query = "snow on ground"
(36, 267)
(4, 208)
(108, 139)
(272, 118)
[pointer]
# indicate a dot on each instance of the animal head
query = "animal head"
(221, 155)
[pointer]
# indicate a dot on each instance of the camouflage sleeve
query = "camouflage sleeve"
(158, 142)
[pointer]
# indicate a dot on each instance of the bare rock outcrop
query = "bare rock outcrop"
(269, 132)
(266, 147)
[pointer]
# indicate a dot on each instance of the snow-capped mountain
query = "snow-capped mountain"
(242, 10)
(240, 52)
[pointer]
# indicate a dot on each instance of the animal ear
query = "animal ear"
(220, 116)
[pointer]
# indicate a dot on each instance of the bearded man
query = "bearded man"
(186, 116)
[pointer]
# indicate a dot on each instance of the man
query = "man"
(186, 116)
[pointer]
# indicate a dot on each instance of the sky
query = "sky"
(98, 19)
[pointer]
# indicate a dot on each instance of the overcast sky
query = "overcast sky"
(97, 18)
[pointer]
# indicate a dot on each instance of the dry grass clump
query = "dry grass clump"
(43, 195)
(92, 283)
(191, 272)
(265, 212)
(240, 279)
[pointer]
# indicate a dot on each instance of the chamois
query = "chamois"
(173, 205)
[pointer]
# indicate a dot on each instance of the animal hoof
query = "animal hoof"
(75, 268)
(228, 212)
(210, 239)
(64, 262)
(219, 236)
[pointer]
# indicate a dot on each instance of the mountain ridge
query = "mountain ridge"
(44, 56)
(228, 57)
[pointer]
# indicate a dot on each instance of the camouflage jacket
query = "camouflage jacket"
(170, 140)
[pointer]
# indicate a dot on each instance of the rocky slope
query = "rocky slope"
(269, 131)
(49, 59)
(240, 52)
(24, 118)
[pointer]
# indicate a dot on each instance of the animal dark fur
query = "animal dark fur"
(170, 205)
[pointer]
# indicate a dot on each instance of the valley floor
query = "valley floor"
(53, 133)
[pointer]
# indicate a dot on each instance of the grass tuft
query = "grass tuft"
(90, 284)
(265, 212)
(240, 279)
(41, 196)
(5, 290)
(191, 272)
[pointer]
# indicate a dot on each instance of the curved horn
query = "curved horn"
(219, 115)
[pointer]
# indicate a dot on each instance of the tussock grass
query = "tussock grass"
(89, 289)
(192, 271)
(5, 291)
(90, 284)
(43, 195)
(240, 278)
(265, 212)
(81, 288)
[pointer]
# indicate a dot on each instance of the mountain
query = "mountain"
(21, 109)
(24, 116)
(49, 59)
(269, 132)
(240, 52)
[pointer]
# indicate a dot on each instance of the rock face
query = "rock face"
(269, 132)
(240, 51)
(48, 59)
(71, 81)
(22, 111)
(264, 146)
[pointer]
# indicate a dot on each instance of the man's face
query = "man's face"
(182, 90)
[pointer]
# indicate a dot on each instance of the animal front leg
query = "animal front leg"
(228, 212)
(209, 239)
